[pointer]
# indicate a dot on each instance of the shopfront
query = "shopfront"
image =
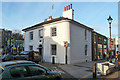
(99, 46)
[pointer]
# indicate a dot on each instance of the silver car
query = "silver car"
(26, 55)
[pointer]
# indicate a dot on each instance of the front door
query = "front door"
(40, 52)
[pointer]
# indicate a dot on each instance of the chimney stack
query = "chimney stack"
(68, 7)
(71, 6)
(50, 17)
(68, 12)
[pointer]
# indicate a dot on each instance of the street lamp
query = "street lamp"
(110, 21)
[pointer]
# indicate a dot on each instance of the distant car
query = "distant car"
(26, 70)
(26, 55)
(9, 57)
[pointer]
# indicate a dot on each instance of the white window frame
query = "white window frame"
(53, 33)
(40, 33)
(30, 47)
(30, 35)
(86, 50)
(55, 49)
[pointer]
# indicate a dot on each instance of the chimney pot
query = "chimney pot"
(64, 8)
(68, 7)
(50, 17)
(71, 6)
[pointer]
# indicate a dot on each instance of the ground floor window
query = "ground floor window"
(86, 50)
(53, 49)
(30, 47)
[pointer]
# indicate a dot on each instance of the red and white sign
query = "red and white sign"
(111, 42)
(65, 44)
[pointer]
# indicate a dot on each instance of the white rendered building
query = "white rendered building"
(51, 34)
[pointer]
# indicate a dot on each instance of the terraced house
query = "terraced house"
(49, 37)
(5, 40)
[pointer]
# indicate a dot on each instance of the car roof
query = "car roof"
(10, 63)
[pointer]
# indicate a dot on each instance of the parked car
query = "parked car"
(25, 54)
(26, 70)
(30, 55)
(9, 57)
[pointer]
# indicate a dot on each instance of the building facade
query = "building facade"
(116, 45)
(99, 46)
(49, 37)
(5, 40)
(113, 46)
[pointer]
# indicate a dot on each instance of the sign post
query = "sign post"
(66, 45)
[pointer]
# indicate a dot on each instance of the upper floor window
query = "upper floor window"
(53, 31)
(31, 35)
(41, 33)
(85, 34)
(105, 41)
(53, 49)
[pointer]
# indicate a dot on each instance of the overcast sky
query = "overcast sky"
(19, 15)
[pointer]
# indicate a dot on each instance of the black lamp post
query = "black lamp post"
(110, 21)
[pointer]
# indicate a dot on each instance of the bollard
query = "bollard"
(94, 70)
(53, 60)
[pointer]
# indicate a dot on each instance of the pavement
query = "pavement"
(56, 68)
(78, 70)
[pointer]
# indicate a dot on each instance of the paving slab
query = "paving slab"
(79, 70)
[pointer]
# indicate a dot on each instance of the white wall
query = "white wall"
(69, 14)
(77, 44)
(35, 42)
(62, 35)
(66, 31)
